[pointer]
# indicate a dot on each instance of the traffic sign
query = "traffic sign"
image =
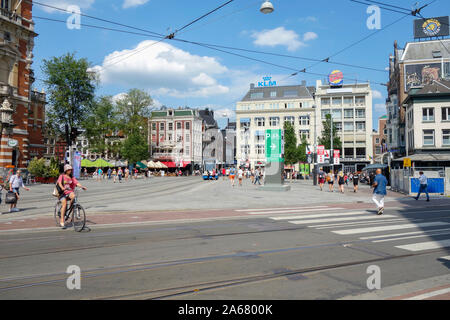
(407, 162)
(274, 145)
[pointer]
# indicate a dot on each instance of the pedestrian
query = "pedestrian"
(99, 174)
(341, 181)
(330, 180)
(232, 175)
(257, 177)
(423, 186)
(224, 172)
(346, 179)
(240, 176)
(321, 178)
(120, 174)
(109, 173)
(127, 174)
(355, 178)
(114, 174)
(379, 191)
(15, 182)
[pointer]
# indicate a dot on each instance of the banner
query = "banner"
(320, 154)
(274, 145)
(432, 27)
(76, 163)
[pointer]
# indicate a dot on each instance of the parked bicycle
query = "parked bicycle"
(75, 214)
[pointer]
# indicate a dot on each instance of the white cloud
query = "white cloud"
(64, 4)
(133, 3)
(381, 107)
(164, 70)
(277, 37)
(281, 37)
(376, 94)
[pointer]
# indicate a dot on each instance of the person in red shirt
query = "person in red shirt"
(67, 184)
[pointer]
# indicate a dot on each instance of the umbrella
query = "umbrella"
(151, 165)
(87, 163)
(101, 163)
(374, 166)
(159, 165)
(140, 165)
(145, 162)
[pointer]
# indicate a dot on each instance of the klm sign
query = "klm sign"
(267, 82)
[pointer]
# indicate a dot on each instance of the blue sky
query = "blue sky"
(180, 74)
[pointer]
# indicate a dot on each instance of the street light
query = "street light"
(266, 7)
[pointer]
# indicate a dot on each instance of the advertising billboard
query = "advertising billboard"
(274, 145)
(425, 73)
(431, 27)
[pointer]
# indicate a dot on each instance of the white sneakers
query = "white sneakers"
(14, 210)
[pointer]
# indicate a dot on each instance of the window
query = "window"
(337, 114)
(274, 106)
(446, 137)
(188, 137)
(428, 114)
(290, 93)
(245, 149)
(260, 149)
(377, 140)
(290, 119)
(5, 4)
(260, 137)
(289, 105)
(186, 150)
(153, 126)
(324, 113)
(337, 101)
(304, 120)
(360, 101)
(348, 126)
(338, 126)
(178, 125)
(360, 113)
(161, 126)
(273, 94)
(187, 125)
(445, 114)
(169, 137)
(304, 134)
(325, 101)
(428, 137)
(170, 126)
(348, 113)
(360, 126)
(256, 95)
(360, 152)
(260, 122)
(274, 121)
(348, 101)
(245, 123)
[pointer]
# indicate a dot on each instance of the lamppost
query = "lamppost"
(315, 146)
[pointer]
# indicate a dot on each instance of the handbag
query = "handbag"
(11, 197)
(57, 191)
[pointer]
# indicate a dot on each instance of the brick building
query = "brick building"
(379, 140)
(16, 77)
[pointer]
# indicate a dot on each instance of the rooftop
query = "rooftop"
(278, 93)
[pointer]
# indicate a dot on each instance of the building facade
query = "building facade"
(379, 140)
(176, 138)
(350, 106)
(16, 77)
(268, 108)
(416, 65)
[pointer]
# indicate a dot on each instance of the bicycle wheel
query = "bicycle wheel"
(78, 218)
(57, 213)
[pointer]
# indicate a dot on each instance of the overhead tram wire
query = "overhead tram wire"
(208, 44)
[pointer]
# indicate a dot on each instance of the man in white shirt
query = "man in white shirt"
(423, 186)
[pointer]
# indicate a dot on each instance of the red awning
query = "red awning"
(169, 164)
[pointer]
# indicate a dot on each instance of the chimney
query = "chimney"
(252, 86)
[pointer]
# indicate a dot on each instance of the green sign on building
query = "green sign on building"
(274, 145)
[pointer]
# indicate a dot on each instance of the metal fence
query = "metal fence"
(406, 180)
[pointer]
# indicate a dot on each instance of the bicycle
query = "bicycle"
(74, 211)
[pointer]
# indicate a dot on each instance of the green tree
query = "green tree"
(134, 109)
(70, 91)
(292, 152)
(102, 126)
(135, 148)
(325, 139)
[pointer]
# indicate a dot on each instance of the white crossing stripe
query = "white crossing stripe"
(265, 209)
(294, 211)
(429, 294)
(445, 258)
(333, 219)
(425, 245)
(319, 215)
(394, 227)
(351, 224)
(402, 234)
(412, 237)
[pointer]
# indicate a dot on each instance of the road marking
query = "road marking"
(265, 209)
(387, 228)
(350, 224)
(295, 211)
(445, 258)
(319, 215)
(425, 245)
(333, 219)
(429, 294)
(412, 237)
(401, 234)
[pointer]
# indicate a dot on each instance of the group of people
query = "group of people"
(233, 173)
(117, 175)
(340, 178)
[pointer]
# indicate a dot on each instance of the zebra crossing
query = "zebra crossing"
(366, 225)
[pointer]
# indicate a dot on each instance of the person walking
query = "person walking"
(330, 179)
(257, 177)
(232, 175)
(240, 175)
(379, 191)
(120, 174)
(114, 174)
(321, 178)
(109, 172)
(224, 173)
(15, 182)
(423, 186)
(355, 179)
(341, 181)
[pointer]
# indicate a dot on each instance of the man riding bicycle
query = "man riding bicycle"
(67, 184)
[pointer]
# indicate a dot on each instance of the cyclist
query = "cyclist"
(67, 183)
